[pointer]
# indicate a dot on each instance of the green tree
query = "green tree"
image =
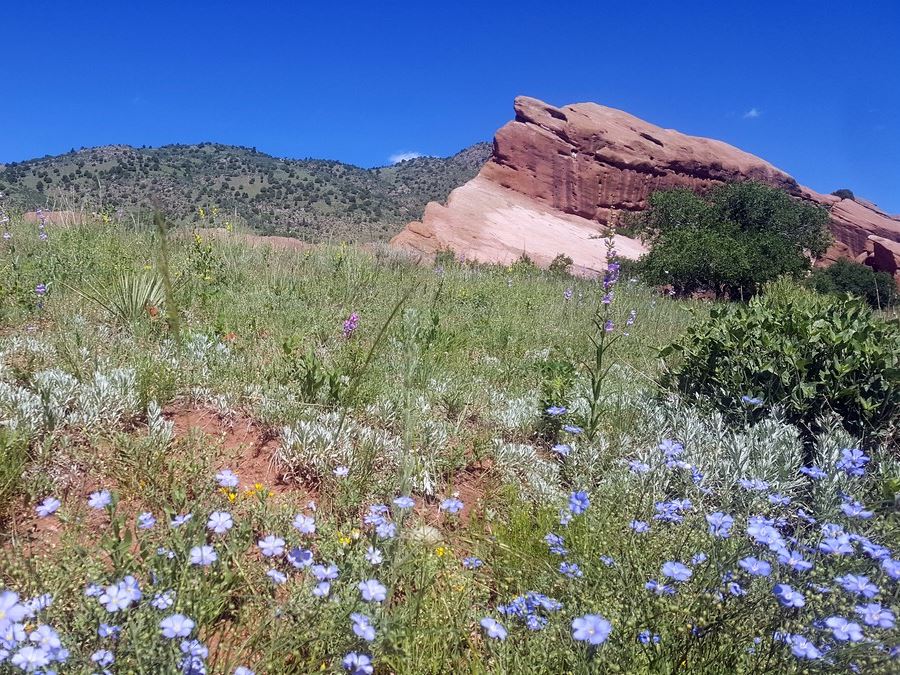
(730, 242)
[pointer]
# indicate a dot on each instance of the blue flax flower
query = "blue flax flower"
(591, 628)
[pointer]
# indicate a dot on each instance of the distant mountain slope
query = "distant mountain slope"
(307, 198)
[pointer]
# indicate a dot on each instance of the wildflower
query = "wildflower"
(572, 429)
(46, 638)
(632, 315)
(735, 589)
(671, 511)
(372, 590)
(362, 626)
(854, 509)
(567, 294)
(658, 588)
(99, 500)
(40, 289)
(755, 567)
(220, 522)
(788, 597)
(556, 410)
(753, 484)
(350, 325)
(323, 573)
(341, 471)
(779, 499)
(181, 519)
(176, 625)
(47, 507)
(836, 545)
(639, 526)
(471, 563)
(555, 543)
(751, 400)
(163, 600)
(300, 557)
(813, 472)
(671, 449)
(794, 560)
(803, 648)
(493, 628)
(698, 558)
(163, 551)
(891, 567)
(874, 614)
(322, 589)
(357, 664)
(276, 576)
(404, 502)
(562, 449)
(91, 591)
(115, 598)
(843, 630)
(30, 658)
(579, 502)
(203, 555)
(243, 670)
(145, 521)
(304, 524)
(720, 524)
(102, 657)
(676, 571)
(591, 628)
(638, 467)
(645, 637)
(374, 556)
(227, 478)
(386, 530)
(571, 570)
(107, 631)
(852, 462)
(271, 546)
(452, 505)
(609, 326)
(858, 584)
(607, 560)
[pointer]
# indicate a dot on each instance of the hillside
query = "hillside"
(307, 198)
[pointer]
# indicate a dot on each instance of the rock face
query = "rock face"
(558, 176)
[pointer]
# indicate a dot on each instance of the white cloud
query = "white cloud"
(403, 156)
(752, 114)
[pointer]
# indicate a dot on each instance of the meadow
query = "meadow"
(230, 459)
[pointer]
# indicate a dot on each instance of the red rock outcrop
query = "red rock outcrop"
(559, 175)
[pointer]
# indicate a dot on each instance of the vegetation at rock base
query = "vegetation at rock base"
(845, 276)
(216, 185)
(336, 460)
(731, 241)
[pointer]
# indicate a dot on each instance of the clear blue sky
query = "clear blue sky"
(813, 87)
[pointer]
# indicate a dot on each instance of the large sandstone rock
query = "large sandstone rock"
(558, 176)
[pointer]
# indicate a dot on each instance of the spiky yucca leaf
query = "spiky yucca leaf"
(129, 297)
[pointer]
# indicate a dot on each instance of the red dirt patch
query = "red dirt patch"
(249, 446)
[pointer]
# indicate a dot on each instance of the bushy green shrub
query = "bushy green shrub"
(845, 276)
(810, 355)
(561, 264)
(732, 241)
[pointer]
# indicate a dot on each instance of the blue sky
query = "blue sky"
(813, 87)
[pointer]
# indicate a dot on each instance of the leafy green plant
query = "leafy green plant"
(561, 264)
(845, 276)
(812, 356)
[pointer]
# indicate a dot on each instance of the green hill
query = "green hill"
(311, 199)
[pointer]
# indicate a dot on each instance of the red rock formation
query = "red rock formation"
(558, 175)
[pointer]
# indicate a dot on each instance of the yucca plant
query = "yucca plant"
(129, 297)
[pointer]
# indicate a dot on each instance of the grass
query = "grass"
(440, 390)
